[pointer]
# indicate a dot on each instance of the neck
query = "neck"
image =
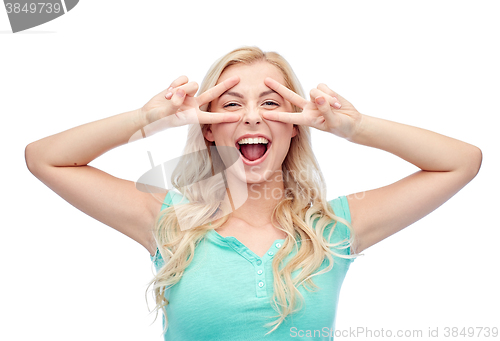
(254, 202)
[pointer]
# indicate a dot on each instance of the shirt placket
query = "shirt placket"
(259, 263)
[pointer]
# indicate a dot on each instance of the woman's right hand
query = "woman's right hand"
(177, 106)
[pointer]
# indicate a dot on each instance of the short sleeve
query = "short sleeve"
(341, 232)
(157, 259)
(172, 198)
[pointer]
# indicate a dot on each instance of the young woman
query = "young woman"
(247, 247)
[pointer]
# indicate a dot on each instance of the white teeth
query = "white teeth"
(254, 140)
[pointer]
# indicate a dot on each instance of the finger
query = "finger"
(190, 89)
(176, 83)
(215, 117)
(285, 117)
(215, 92)
(325, 109)
(323, 105)
(286, 93)
(331, 100)
(179, 81)
(192, 116)
(323, 87)
(178, 98)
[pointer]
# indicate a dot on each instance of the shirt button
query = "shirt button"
(261, 284)
(259, 272)
(270, 253)
(278, 245)
(259, 262)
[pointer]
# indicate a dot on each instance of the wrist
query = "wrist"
(141, 118)
(359, 128)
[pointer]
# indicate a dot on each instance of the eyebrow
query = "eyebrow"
(237, 94)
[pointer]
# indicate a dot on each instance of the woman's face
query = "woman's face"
(250, 98)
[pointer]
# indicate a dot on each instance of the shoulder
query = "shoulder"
(341, 232)
(162, 202)
(173, 198)
(340, 208)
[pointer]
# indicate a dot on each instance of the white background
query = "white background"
(430, 64)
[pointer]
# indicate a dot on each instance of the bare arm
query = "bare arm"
(60, 162)
(446, 164)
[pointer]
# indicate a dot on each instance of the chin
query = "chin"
(253, 175)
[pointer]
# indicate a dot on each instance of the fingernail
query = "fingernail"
(180, 93)
(167, 96)
(337, 105)
(320, 100)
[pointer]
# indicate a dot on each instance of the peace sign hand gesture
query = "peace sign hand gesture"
(177, 106)
(320, 112)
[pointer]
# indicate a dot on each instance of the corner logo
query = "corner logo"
(27, 14)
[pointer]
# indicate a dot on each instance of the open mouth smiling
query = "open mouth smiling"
(253, 148)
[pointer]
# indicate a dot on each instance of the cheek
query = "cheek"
(216, 132)
(284, 129)
(222, 132)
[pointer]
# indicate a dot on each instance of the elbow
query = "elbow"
(480, 160)
(474, 161)
(29, 157)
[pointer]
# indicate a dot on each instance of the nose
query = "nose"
(252, 116)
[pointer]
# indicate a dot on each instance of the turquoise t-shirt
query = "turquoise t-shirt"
(225, 293)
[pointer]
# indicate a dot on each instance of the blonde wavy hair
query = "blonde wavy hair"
(304, 202)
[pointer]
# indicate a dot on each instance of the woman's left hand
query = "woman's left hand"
(320, 112)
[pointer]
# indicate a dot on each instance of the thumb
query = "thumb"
(178, 98)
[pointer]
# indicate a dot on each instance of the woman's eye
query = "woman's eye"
(271, 103)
